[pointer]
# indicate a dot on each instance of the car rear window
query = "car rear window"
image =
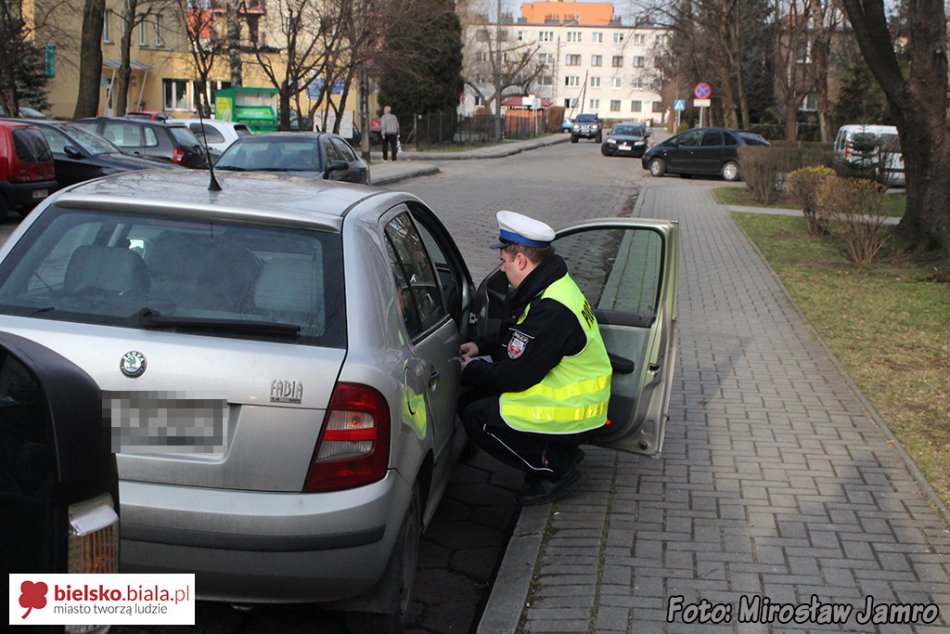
(183, 136)
(31, 146)
(211, 134)
(176, 272)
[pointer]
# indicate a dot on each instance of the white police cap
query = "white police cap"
(515, 228)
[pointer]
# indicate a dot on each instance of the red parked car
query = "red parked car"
(27, 171)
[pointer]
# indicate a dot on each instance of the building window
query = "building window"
(570, 102)
(617, 61)
(573, 60)
(615, 82)
(637, 82)
(521, 36)
(803, 54)
(618, 38)
(176, 94)
(574, 36)
(546, 58)
(481, 56)
(639, 39)
(546, 80)
(615, 105)
(636, 106)
(572, 80)
(546, 36)
(157, 26)
(595, 104)
(107, 27)
(658, 107)
(595, 82)
(143, 39)
(597, 38)
(596, 60)
(478, 101)
(481, 35)
(810, 103)
(638, 61)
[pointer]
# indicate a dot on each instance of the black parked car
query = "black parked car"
(81, 155)
(317, 154)
(169, 141)
(626, 139)
(710, 151)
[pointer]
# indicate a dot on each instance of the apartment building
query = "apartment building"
(575, 54)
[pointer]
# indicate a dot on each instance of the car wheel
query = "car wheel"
(600, 138)
(573, 138)
(730, 171)
(657, 167)
(605, 150)
(397, 579)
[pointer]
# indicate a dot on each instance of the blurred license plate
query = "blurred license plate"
(624, 146)
(156, 422)
(40, 193)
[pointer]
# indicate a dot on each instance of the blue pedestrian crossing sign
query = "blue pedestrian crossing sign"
(679, 104)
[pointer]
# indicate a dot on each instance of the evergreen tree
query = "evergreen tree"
(424, 78)
(31, 79)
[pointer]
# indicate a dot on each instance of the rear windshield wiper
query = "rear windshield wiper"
(149, 318)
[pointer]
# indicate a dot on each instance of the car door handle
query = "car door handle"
(433, 380)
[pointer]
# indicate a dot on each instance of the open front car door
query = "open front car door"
(627, 269)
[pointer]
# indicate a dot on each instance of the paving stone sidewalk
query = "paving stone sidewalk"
(776, 483)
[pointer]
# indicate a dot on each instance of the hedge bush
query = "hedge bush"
(764, 167)
(853, 211)
(803, 184)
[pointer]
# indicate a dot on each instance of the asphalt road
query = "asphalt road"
(463, 547)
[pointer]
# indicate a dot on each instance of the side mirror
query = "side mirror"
(73, 152)
(336, 166)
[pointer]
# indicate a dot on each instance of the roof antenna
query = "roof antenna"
(213, 186)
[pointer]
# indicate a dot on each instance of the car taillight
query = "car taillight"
(353, 449)
(93, 536)
(178, 157)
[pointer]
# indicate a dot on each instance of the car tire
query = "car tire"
(573, 138)
(657, 167)
(730, 171)
(397, 579)
(605, 151)
(600, 138)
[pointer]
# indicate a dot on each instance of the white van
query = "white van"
(890, 145)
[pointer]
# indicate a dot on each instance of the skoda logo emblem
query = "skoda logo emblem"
(132, 364)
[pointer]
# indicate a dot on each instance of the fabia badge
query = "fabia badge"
(286, 391)
(132, 364)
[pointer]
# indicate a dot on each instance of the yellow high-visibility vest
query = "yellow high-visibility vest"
(573, 396)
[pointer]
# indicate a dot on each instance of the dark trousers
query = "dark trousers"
(538, 455)
(390, 142)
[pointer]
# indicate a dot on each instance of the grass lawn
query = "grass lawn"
(742, 197)
(888, 324)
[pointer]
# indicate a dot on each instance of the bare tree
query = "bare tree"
(203, 43)
(233, 19)
(918, 102)
(134, 14)
(90, 59)
(791, 23)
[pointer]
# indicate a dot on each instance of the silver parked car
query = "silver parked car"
(280, 360)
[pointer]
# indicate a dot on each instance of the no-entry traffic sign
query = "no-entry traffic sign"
(702, 90)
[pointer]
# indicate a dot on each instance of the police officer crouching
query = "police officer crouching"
(543, 381)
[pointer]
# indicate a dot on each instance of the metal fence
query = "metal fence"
(441, 128)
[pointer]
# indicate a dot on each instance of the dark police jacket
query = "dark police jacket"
(524, 353)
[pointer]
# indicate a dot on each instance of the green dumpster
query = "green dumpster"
(255, 107)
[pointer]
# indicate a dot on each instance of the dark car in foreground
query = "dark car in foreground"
(171, 142)
(587, 126)
(81, 155)
(700, 151)
(314, 154)
(27, 171)
(626, 139)
(288, 349)
(58, 482)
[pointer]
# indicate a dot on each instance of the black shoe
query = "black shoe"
(546, 490)
(576, 454)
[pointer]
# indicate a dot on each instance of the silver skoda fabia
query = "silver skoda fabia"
(279, 363)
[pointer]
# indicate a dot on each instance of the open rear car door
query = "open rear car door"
(627, 269)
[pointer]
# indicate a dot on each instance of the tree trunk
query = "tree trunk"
(90, 59)
(918, 104)
(121, 95)
(234, 43)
